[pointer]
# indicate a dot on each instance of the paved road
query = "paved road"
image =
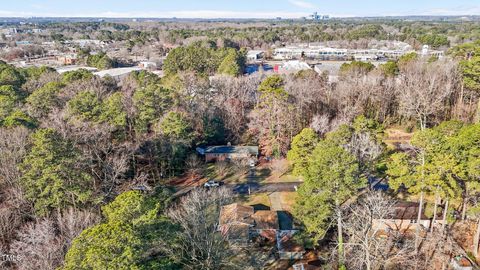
(251, 186)
(243, 188)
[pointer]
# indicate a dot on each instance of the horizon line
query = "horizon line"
(237, 18)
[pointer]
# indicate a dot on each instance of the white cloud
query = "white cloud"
(212, 14)
(302, 4)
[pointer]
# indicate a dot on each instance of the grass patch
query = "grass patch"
(288, 200)
(256, 199)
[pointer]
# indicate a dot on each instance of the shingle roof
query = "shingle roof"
(266, 220)
(287, 243)
(235, 214)
(407, 211)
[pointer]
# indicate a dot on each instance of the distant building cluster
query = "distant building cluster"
(317, 17)
(10, 32)
(315, 52)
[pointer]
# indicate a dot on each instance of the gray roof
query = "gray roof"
(225, 149)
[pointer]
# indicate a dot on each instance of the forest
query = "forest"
(87, 162)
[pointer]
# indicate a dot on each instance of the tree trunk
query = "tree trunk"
(419, 217)
(367, 259)
(460, 103)
(434, 213)
(464, 208)
(477, 117)
(340, 235)
(476, 239)
(445, 211)
(420, 206)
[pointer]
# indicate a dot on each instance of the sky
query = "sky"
(234, 8)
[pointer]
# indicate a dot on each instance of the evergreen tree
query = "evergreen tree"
(302, 147)
(132, 236)
(52, 177)
(332, 177)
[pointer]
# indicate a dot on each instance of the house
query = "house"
(266, 225)
(404, 217)
(241, 223)
(365, 57)
(235, 222)
(288, 247)
(228, 152)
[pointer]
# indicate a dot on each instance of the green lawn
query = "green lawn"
(255, 199)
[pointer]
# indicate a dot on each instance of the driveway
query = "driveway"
(244, 188)
(275, 201)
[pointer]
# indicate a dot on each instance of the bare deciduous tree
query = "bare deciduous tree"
(71, 222)
(241, 165)
(194, 164)
(13, 144)
(14, 211)
(321, 124)
(368, 247)
(221, 168)
(39, 247)
(424, 90)
(364, 147)
(200, 245)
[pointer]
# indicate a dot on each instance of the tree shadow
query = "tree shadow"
(285, 220)
(260, 206)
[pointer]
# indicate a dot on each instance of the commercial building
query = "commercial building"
(117, 73)
(150, 65)
(64, 69)
(254, 55)
(316, 52)
(67, 59)
(291, 67)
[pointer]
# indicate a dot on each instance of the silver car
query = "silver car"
(212, 183)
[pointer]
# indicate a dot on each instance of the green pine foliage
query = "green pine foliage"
(390, 68)
(151, 102)
(356, 67)
(86, 105)
(301, 150)
(100, 61)
(113, 111)
(52, 177)
(131, 237)
(175, 126)
(205, 59)
(42, 100)
(332, 176)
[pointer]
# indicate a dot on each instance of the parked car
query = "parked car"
(212, 183)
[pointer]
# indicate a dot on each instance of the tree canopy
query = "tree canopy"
(52, 176)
